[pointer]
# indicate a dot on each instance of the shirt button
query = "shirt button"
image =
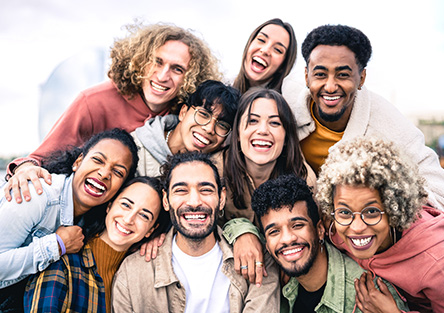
(233, 216)
(178, 285)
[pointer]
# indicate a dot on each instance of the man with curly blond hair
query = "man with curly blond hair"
(152, 71)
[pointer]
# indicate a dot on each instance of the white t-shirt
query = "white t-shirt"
(205, 284)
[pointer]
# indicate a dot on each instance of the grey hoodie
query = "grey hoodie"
(153, 149)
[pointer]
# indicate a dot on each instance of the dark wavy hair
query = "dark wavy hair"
(241, 82)
(283, 192)
(94, 219)
(290, 160)
(339, 35)
(212, 92)
(60, 162)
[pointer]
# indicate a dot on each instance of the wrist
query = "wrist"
(25, 163)
(62, 248)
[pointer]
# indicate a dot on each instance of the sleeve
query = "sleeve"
(120, 296)
(239, 226)
(47, 291)
(265, 298)
(17, 223)
(72, 128)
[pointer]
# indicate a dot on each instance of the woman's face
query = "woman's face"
(261, 134)
(131, 216)
(362, 240)
(266, 53)
(99, 174)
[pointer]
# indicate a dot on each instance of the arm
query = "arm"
(120, 296)
(47, 290)
(265, 298)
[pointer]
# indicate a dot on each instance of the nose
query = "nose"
(358, 224)
(163, 73)
(194, 198)
(265, 49)
(210, 128)
(263, 128)
(330, 85)
(128, 218)
(287, 236)
(104, 172)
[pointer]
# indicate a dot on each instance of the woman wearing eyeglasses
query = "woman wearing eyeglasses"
(203, 124)
(375, 201)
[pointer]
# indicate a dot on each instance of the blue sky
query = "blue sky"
(37, 35)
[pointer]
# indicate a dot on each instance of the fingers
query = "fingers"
(46, 176)
(161, 240)
(22, 187)
(150, 249)
(260, 269)
(7, 191)
(142, 250)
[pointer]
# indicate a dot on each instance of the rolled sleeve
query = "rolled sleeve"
(239, 226)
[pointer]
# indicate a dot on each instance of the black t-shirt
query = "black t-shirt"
(307, 301)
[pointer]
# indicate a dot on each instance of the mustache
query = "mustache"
(191, 209)
(293, 244)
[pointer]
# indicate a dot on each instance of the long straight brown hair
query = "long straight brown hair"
(290, 160)
(241, 82)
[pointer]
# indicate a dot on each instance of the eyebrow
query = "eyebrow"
(173, 64)
(293, 219)
(278, 42)
(104, 156)
(143, 209)
(337, 69)
(200, 184)
(365, 205)
(270, 116)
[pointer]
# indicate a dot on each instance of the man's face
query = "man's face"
(333, 77)
(292, 239)
(193, 200)
(165, 77)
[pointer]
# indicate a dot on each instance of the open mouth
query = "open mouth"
(261, 144)
(201, 140)
(158, 87)
(361, 243)
(331, 100)
(291, 253)
(94, 187)
(195, 217)
(258, 63)
(123, 229)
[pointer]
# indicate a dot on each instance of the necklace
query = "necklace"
(168, 135)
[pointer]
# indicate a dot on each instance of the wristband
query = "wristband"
(61, 244)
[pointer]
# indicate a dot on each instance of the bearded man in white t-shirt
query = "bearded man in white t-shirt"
(194, 270)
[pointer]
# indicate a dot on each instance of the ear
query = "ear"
(306, 77)
(363, 76)
(165, 201)
(151, 231)
(77, 162)
(320, 229)
(223, 198)
(183, 112)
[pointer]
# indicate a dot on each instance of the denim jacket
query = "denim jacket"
(28, 242)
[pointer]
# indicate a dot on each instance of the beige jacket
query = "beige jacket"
(141, 286)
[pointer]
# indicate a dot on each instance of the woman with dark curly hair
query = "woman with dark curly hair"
(152, 71)
(36, 233)
(374, 199)
(268, 57)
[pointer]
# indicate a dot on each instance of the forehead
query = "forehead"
(263, 106)
(332, 56)
(192, 173)
(276, 33)
(284, 215)
(175, 52)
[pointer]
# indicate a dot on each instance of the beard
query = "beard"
(332, 117)
(295, 270)
(195, 232)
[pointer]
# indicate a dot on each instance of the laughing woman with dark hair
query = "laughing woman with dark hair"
(37, 233)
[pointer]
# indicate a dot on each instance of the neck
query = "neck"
(337, 126)
(195, 247)
(175, 141)
(317, 276)
(259, 173)
(156, 108)
(104, 236)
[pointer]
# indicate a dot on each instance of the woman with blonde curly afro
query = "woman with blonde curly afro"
(374, 199)
(152, 71)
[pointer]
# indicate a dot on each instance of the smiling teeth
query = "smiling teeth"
(158, 87)
(194, 217)
(123, 230)
(95, 184)
(261, 143)
(361, 242)
(260, 61)
(296, 250)
(201, 138)
(331, 98)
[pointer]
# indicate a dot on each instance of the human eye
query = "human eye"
(204, 114)
(179, 190)
(223, 126)
(252, 120)
(119, 173)
(260, 39)
(144, 216)
(125, 205)
(178, 70)
(298, 225)
(319, 75)
(275, 123)
(272, 232)
(343, 75)
(279, 50)
(344, 213)
(158, 61)
(371, 212)
(97, 159)
(207, 190)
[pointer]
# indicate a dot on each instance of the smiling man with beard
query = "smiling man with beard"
(194, 270)
(318, 277)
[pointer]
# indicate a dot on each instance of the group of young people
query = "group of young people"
(164, 189)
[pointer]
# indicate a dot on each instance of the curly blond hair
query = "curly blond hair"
(376, 164)
(132, 54)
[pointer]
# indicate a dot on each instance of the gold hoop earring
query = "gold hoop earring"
(330, 234)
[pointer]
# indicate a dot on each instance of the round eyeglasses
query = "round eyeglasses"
(203, 117)
(369, 215)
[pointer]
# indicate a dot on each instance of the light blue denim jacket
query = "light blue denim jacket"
(27, 230)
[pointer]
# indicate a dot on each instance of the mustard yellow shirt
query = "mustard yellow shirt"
(315, 146)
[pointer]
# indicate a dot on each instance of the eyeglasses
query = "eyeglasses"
(370, 216)
(203, 117)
